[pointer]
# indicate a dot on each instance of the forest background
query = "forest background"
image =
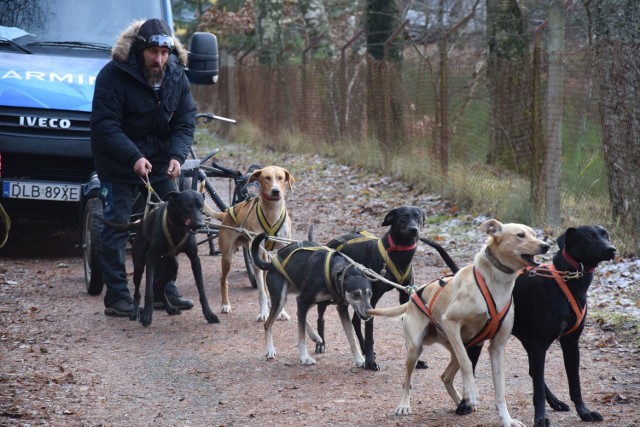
(522, 110)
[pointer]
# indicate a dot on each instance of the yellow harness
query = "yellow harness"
(401, 277)
(167, 235)
(270, 229)
(281, 267)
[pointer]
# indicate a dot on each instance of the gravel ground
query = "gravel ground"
(64, 363)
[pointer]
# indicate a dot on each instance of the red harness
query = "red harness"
(579, 312)
(494, 321)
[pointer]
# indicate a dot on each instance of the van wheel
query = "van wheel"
(91, 242)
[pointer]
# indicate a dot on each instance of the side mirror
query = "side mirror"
(203, 59)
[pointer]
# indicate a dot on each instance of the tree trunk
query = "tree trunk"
(618, 66)
(318, 28)
(552, 164)
(269, 29)
(510, 86)
(384, 108)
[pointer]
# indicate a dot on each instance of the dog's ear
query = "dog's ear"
(289, 179)
(171, 195)
(492, 227)
(562, 239)
(255, 175)
(389, 217)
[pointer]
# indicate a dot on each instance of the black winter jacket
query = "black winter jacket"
(129, 120)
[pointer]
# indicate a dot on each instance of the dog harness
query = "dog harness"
(174, 248)
(417, 299)
(401, 277)
(270, 229)
(336, 290)
(562, 284)
(494, 321)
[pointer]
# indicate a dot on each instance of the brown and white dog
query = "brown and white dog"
(265, 213)
(467, 309)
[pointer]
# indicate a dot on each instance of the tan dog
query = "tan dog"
(455, 314)
(266, 213)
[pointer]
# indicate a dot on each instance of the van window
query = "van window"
(85, 21)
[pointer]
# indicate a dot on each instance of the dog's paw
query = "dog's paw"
(146, 317)
(284, 316)
(226, 309)
(262, 317)
(514, 423)
(172, 311)
(421, 365)
(464, 409)
(211, 318)
(359, 362)
(307, 360)
(542, 422)
(271, 354)
(371, 365)
(403, 410)
(320, 348)
(588, 415)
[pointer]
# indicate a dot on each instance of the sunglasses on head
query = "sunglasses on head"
(158, 41)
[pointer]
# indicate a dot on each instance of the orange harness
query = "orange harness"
(493, 322)
(579, 312)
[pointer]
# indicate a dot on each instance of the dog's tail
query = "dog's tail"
(208, 211)
(255, 252)
(121, 227)
(443, 253)
(396, 311)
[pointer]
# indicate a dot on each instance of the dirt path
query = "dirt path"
(64, 363)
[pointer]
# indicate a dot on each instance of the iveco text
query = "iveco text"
(44, 122)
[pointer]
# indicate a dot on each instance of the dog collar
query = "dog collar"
(497, 264)
(174, 247)
(575, 264)
(399, 248)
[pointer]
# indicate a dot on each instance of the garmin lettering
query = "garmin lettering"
(45, 122)
(49, 77)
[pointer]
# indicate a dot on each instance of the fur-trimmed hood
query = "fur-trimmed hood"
(122, 48)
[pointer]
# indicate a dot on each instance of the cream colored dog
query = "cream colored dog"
(458, 313)
(265, 213)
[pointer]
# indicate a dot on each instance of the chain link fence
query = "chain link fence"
(451, 123)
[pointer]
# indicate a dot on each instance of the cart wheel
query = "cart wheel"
(91, 238)
(248, 262)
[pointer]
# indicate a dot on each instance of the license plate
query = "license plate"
(41, 191)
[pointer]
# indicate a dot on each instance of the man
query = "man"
(142, 127)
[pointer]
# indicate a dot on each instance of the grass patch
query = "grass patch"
(474, 185)
(625, 326)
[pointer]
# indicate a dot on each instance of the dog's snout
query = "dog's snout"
(544, 248)
(413, 231)
(275, 192)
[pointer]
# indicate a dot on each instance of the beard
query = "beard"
(154, 76)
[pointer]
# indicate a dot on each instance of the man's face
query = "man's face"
(155, 62)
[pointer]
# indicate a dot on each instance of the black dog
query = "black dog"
(544, 313)
(165, 232)
(320, 275)
(391, 257)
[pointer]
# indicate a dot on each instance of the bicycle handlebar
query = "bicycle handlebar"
(208, 117)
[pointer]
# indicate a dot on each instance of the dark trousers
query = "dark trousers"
(118, 201)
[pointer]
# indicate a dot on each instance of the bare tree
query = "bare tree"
(616, 25)
(318, 28)
(509, 77)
